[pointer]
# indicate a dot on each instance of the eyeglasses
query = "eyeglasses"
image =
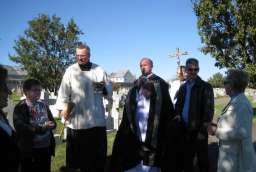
(36, 90)
(226, 82)
(193, 69)
(82, 55)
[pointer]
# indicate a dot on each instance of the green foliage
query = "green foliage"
(216, 80)
(46, 49)
(228, 31)
(15, 97)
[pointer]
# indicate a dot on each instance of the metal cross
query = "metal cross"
(178, 54)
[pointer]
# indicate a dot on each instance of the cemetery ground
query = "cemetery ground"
(59, 159)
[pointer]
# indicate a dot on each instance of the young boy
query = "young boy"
(34, 122)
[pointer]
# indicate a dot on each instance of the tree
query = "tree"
(228, 31)
(216, 80)
(46, 49)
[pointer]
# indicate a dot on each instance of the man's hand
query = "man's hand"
(49, 125)
(67, 110)
(65, 114)
(212, 129)
(176, 118)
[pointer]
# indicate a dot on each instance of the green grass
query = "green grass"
(111, 137)
(59, 126)
(221, 102)
(60, 157)
(218, 109)
(15, 97)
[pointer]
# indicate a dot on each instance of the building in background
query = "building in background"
(122, 76)
(16, 77)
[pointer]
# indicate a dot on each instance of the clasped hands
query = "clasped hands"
(49, 125)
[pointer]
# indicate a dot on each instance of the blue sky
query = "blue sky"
(119, 32)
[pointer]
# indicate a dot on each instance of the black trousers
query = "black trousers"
(39, 162)
(195, 153)
(86, 149)
(173, 151)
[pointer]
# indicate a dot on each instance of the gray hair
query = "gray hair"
(83, 46)
(148, 59)
(238, 79)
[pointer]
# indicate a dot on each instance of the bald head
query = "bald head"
(146, 66)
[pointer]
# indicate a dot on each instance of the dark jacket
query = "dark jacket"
(9, 157)
(128, 149)
(201, 108)
(26, 132)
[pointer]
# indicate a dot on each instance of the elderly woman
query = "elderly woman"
(9, 151)
(234, 127)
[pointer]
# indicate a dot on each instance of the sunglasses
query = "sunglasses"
(226, 82)
(193, 69)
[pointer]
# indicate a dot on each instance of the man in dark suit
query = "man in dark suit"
(195, 109)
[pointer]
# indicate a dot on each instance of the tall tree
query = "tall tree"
(216, 80)
(46, 49)
(228, 31)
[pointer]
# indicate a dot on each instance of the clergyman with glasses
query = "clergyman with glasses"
(195, 110)
(83, 86)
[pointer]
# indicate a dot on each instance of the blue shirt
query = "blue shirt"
(5, 126)
(185, 111)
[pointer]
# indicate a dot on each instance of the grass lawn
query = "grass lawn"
(221, 102)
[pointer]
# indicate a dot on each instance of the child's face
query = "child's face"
(34, 93)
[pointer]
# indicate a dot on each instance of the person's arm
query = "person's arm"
(179, 103)
(208, 108)
(63, 102)
(107, 90)
(51, 123)
(235, 124)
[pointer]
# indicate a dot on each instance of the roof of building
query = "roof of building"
(120, 73)
(15, 71)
